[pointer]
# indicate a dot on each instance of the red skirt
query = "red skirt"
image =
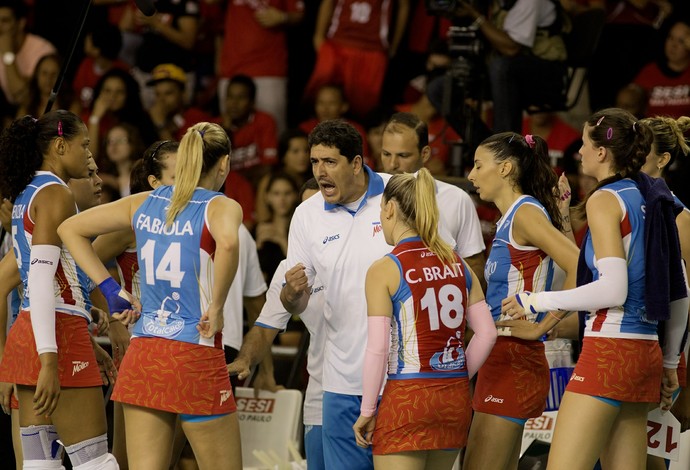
(627, 370)
(77, 366)
(174, 376)
(514, 380)
(422, 414)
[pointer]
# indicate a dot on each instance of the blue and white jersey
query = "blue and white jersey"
(512, 268)
(70, 284)
(627, 320)
(176, 267)
(274, 315)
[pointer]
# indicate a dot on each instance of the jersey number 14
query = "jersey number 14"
(167, 269)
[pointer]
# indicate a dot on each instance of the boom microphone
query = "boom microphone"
(146, 7)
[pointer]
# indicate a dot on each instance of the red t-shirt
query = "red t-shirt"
(558, 140)
(248, 47)
(241, 190)
(361, 24)
(187, 119)
(668, 95)
(255, 143)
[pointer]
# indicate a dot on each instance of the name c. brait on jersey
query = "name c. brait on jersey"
(158, 226)
(433, 273)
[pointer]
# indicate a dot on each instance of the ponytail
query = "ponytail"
(24, 144)
(201, 147)
(427, 218)
(416, 198)
(628, 141)
(534, 175)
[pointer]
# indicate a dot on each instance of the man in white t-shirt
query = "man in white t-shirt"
(19, 51)
(405, 149)
(335, 235)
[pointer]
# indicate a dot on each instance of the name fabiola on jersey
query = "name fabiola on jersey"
(157, 226)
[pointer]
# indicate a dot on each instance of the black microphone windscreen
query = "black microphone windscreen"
(146, 7)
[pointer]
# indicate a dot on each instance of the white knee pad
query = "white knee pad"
(41, 447)
(92, 454)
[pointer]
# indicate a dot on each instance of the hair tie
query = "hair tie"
(529, 138)
(59, 130)
(201, 133)
(609, 133)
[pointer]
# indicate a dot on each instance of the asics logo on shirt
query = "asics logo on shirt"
(78, 366)
(224, 395)
(492, 399)
(41, 261)
(331, 238)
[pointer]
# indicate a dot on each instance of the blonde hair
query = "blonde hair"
(669, 135)
(416, 198)
(200, 149)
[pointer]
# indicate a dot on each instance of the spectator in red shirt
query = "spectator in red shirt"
(331, 103)
(255, 45)
(252, 132)
(101, 47)
(169, 112)
(557, 134)
(352, 45)
(667, 81)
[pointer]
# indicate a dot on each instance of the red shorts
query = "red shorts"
(77, 366)
(422, 414)
(682, 371)
(514, 381)
(174, 376)
(627, 370)
(359, 71)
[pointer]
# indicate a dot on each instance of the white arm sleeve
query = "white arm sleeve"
(610, 290)
(675, 329)
(44, 262)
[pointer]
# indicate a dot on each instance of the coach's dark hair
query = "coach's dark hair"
(338, 134)
(533, 173)
(25, 143)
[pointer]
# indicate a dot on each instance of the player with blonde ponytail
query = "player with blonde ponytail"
(419, 298)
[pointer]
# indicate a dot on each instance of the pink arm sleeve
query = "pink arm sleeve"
(482, 323)
(375, 361)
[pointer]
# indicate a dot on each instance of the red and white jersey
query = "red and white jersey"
(362, 24)
(128, 268)
(428, 326)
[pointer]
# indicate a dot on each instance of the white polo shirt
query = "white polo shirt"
(274, 315)
(460, 217)
(339, 247)
(248, 282)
